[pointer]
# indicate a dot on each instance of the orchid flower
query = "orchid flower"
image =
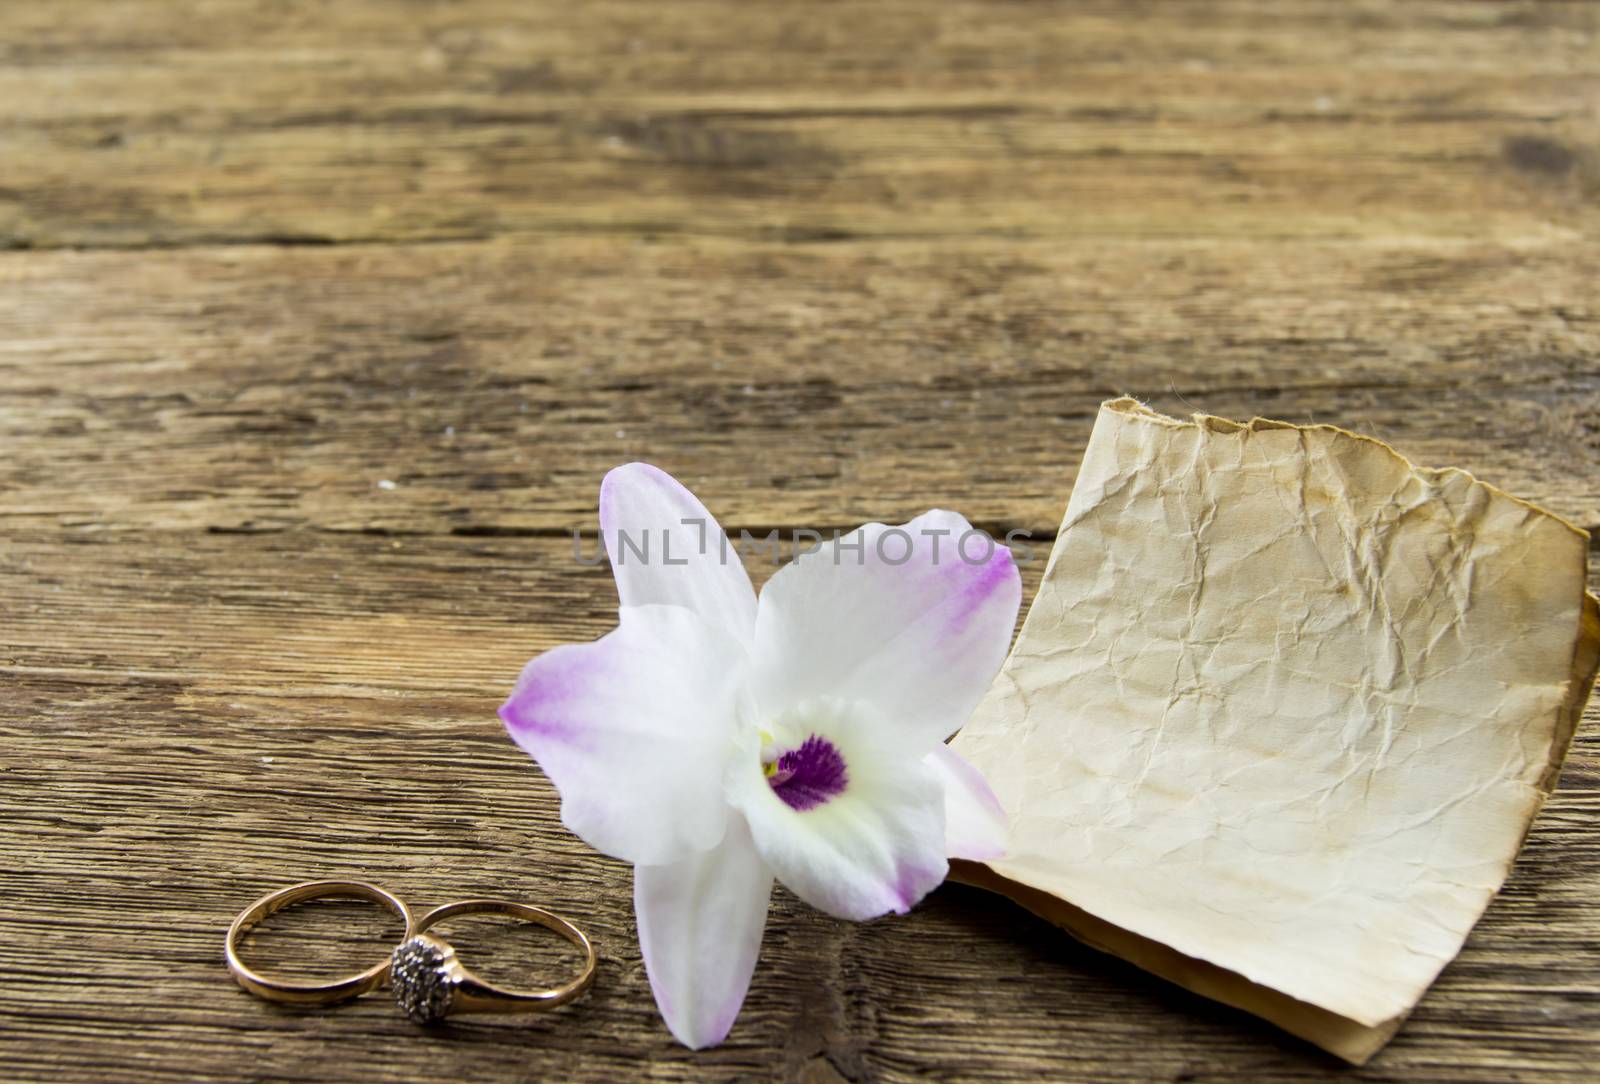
(717, 742)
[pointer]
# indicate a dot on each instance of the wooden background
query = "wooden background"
(825, 262)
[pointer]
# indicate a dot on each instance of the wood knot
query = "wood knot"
(1536, 154)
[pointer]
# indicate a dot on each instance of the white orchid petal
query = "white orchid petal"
(666, 548)
(974, 820)
(907, 617)
(868, 841)
(634, 730)
(700, 922)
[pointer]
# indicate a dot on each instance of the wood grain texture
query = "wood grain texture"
(826, 263)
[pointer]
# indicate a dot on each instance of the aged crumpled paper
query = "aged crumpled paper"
(1281, 714)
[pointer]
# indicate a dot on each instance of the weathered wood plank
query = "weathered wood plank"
(799, 388)
(154, 123)
(191, 724)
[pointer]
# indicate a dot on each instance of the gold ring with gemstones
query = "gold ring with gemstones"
(430, 983)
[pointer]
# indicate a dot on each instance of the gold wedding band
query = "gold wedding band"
(309, 993)
(430, 983)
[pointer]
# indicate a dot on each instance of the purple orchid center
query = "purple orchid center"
(808, 776)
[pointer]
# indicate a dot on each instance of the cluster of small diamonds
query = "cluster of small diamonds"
(422, 985)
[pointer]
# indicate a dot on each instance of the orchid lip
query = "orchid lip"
(809, 775)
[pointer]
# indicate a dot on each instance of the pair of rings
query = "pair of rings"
(428, 980)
